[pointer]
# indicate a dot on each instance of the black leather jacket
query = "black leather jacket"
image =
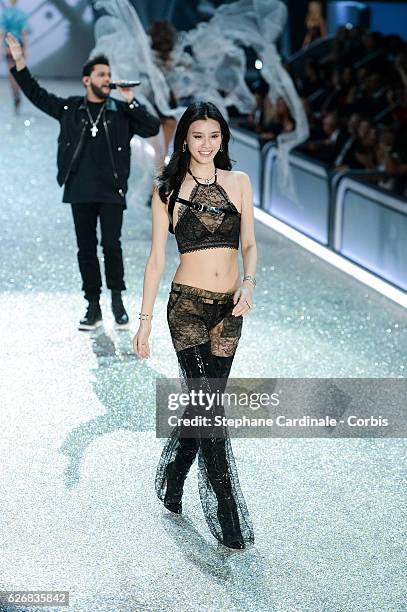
(120, 120)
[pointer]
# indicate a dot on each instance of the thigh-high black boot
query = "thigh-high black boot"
(177, 470)
(221, 497)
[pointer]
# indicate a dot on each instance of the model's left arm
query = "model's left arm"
(142, 122)
(248, 247)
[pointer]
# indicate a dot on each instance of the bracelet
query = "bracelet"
(250, 278)
(144, 316)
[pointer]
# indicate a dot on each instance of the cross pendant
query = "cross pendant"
(94, 130)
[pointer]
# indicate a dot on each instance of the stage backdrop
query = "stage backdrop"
(60, 36)
(61, 31)
(385, 17)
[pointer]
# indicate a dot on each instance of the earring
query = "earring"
(221, 148)
(184, 147)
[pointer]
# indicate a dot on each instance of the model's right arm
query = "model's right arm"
(154, 268)
(42, 99)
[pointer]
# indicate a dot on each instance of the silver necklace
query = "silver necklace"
(94, 129)
(207, 181)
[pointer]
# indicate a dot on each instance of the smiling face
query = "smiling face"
(203, 140)
(98, 81)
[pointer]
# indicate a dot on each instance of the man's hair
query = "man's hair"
(91, 63)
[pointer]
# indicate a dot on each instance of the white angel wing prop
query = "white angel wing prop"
(258, 24)
(214, 71)
(223, 64)
(120, 35)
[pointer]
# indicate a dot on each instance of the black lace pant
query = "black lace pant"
(205, 335)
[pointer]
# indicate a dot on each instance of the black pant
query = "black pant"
(85, 216)
(205, 336)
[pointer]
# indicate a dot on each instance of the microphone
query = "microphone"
(124, 84)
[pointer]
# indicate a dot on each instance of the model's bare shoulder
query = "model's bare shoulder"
(245, 189)
(238, 173)
(243, 182)
(242, 177)
(234, 176)
(156, 195)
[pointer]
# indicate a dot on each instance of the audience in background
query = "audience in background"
(327, 148)
(279, 121)
(311, 81)
(268, 119)
(355, 98)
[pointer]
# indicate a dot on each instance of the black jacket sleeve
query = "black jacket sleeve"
(40, 97)
(142, 122)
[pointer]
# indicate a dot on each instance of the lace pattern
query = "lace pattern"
(205, 363)
(193, 319)
(195, 230)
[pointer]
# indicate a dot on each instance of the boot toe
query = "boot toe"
(119, 312)
(123, 319)
(236, 544)
(175, 508)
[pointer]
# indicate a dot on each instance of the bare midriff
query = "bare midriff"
(211, 269)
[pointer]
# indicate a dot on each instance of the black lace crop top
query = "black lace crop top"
(208, 220)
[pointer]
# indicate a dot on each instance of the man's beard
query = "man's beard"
(99, 92)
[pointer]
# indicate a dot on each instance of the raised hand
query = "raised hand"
(15, 47)
(16, 50)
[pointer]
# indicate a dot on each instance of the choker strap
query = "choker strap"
(206, 180)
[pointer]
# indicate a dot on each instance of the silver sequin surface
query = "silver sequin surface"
(78, 450)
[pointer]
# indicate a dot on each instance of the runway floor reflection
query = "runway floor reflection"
(78, 447)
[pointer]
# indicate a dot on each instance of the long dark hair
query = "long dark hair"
(163, 38)
(171, 178)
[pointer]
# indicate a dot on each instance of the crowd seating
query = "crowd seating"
(360, 221)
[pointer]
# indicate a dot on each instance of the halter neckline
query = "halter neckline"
(204, 184)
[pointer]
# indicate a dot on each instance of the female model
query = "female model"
(314, 23)
(14, 20)
(208, 208)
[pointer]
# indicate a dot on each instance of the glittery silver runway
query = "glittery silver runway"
(78, 449)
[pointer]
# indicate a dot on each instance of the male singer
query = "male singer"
(93, 165)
